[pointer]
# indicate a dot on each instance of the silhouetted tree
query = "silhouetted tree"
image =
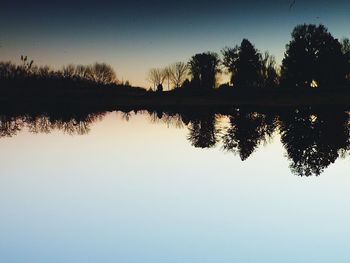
(156, 76)
(244, 64)
(69, 71)
(34, 80)
(178, 73)
(44, 72)
(167, 76)
(103, 73)
(203, 69)
(7, 70)
(313, 58)
(269, 72)
(84, 72)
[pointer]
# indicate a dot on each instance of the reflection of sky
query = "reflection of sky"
(136, 35)
(139, 192)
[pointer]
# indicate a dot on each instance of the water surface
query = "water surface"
(118, 187)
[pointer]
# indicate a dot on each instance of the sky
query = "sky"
(134, 36)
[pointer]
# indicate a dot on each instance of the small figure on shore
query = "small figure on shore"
(160, 88)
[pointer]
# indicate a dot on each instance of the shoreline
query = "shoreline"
(215, 102)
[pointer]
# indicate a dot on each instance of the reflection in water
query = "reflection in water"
(246, 131)
(172, 120)
(313, 139)
(202, 131)
(72, 124)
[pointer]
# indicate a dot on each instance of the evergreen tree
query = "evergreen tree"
(244, 64)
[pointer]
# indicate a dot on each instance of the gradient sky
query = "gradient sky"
(134, 36)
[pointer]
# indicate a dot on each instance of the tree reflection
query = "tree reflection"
(314, 140)
(203, 132)
(72, 124)
(247, 131)
(9, 126)
(170, 119)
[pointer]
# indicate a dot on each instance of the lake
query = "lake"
(155, 187)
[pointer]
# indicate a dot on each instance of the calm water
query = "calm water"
(128, 188)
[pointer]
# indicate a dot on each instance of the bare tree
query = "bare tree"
(103, 73)
(269, 71)
(98, 73)
(7, 70)
(167, 73)
(69, 71)
(43, 72)
(178, 72)
(156, 76)
(84, 72)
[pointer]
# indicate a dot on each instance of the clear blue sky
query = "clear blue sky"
(134, 36)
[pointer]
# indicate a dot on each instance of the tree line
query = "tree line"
(313, 59)
(97, 73)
